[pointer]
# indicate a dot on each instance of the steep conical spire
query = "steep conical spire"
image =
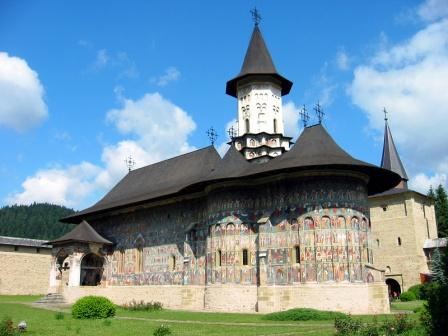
(391, 159)
(258, 62)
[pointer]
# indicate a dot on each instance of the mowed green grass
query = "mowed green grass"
(43, 322)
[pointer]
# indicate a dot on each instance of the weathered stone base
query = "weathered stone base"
(349, 298)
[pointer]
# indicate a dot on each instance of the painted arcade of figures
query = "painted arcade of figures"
(290, 244)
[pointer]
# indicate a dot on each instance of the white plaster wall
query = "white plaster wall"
(254, 99)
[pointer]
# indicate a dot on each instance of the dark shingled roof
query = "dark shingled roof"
(156, 180)
(15, 241)
(390, 159)
(314, 150)
(397, 191)
(81, 233)
(232, 165)
(258, 62)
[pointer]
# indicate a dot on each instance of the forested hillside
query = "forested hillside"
(38, 221)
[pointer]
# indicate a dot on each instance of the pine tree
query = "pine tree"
(441, 207)
(438, 265)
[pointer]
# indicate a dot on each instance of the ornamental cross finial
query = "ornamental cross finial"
(256, 17)
(319, 112)
(212, 135)
(385, 114)
(304, 115)
(130, 163)
(232, 132)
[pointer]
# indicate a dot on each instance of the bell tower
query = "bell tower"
(259, 89)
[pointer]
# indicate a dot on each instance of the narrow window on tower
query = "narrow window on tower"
(247, 126)
(399, 241)
(245, 257)
(275, 125)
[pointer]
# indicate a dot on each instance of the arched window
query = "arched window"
(377, 243)
(275, 125)
(219, 258)
(245, 257)
(91, 270)
(296, 254)
(399, 241)
(172, 262)
(139, 260)
(247, 126)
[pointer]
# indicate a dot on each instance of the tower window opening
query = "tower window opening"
(399, 241)
(247, 126)
(245, 257)
(378, 243)
(275, 125)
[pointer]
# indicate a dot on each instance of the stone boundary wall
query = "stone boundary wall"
(350, 298)
(24, 272)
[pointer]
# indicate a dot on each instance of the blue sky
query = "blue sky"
(83, 84)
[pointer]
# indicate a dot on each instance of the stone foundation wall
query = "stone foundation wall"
(172, 297)
(24, 272)
(350, 298)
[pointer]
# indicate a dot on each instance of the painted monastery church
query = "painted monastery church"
(270, 226)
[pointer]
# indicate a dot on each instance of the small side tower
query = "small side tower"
(259, 90)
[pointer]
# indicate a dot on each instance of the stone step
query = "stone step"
(52, 298)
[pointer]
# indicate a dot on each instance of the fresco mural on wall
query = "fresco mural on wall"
(319, 222)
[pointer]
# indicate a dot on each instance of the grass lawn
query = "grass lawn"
(44, 322)
(409, 305)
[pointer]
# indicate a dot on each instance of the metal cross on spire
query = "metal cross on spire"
(385, 114)
(212, 135)
(304, 115)
(319, 112)
(231, 132)
(256, 17)
(130, 163)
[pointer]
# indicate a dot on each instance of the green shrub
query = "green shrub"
(93, 307)
(7, 327)
(59, 316)
(419, 291)
(408, 296)
(434, 318)
(162, 331)
(141, 305)
(303, 314)
(400, 325)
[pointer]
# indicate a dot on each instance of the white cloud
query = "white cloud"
(224, 147)
(432, 10)
(422, 182)
(171, 74)
(102, 58)
(67, 186)
(22, 103)
(410, 80)
(342, 60)
(291, 119)
(159, 129)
